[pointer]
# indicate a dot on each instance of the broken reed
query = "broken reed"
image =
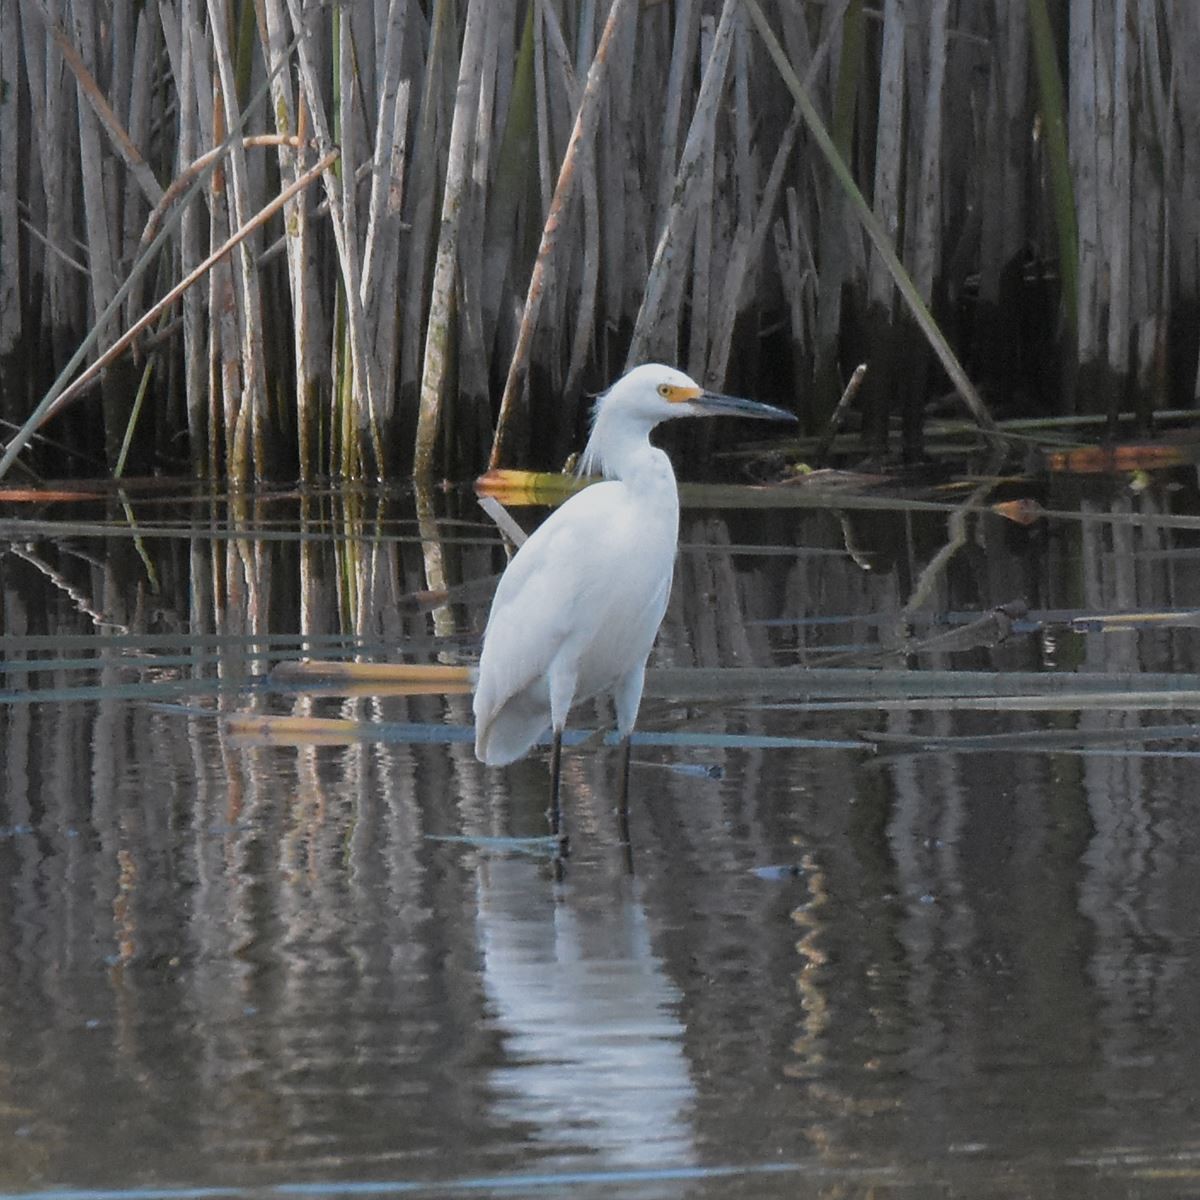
(1033, 165)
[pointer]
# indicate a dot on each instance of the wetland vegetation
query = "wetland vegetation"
(454, 219)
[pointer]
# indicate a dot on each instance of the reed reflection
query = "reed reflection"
(258, 962)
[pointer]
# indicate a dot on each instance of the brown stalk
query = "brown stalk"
(122, 343)
(585, 124)
(100, 105)
(180, 183)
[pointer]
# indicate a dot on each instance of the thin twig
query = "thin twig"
(503, 520)
(838, 416)
(185, 177)
(259, 219)
(62, 254)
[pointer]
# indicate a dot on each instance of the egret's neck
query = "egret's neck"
(621, 450)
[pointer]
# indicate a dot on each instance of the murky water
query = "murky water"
(926, 966)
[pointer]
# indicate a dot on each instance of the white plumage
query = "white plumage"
(578, 608)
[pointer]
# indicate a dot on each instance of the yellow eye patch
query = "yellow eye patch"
(677, 395)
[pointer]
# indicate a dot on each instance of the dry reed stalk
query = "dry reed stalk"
(382, 288)
(698, 332)
(712, 352)
(79, 64)
(224, 370)
(618, 268)
(585, 124)
(1003, 203)
(345, 234)
(874, 229)
(98, 221)
(424, 172)
(137, 122)
(889, 149)
(683, 56)
(10, 257)
(542, 105)
(201, 438)
(74, 263)
(589, 286)
(1185, 95)
(126, 339)
(351, 459)
(667, 268)
(1183, 216)
(838, 417)
(582, 18)
(472, 388)
(380, 280)
(309, 333)
(1096, 390)
(441, 300)
(747, 252)
(930, 102)
(727, 228)
(386, 169)
(52, 101)
(564, 271)
(550, 138)
(1150, 271)
(841, 249)
(505, 194)
(434, 554)
(1014, 71)
(929, 186)
(790, 238)
(1120, 181)
(590, 268)
(1053, 110)
(1083, 116)
(249, 418)
(787, 255)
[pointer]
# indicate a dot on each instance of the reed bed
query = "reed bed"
(397, 237)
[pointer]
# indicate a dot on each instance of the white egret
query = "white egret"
(578, 608)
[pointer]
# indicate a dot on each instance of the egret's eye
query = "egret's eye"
(664, 390)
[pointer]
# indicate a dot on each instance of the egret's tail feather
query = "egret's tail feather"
(510, 733)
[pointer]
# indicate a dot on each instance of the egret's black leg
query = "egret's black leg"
(627, 696)
(623, 792)
(556, 823)
(623, 806)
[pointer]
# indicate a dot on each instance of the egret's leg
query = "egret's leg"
(623, 792)
(627, 699)
(555, 768)
(562, 693)
(556, 829)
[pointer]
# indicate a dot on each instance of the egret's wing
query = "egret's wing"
(544, 598)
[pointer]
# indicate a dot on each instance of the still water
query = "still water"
(856, 950)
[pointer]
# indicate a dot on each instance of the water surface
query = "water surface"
(825, 971)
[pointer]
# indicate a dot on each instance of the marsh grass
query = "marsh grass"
(520, 197)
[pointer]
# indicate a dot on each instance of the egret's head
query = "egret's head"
(653, 393)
